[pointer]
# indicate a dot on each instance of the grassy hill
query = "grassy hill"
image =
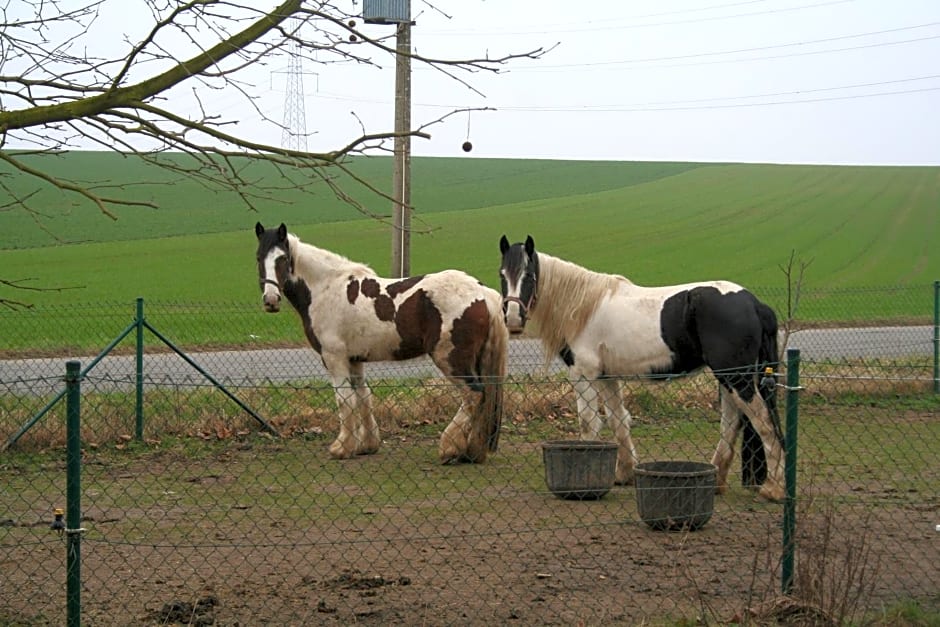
(189, 205)
(656, 223)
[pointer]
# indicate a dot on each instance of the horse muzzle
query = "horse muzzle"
(514, 313)
(271, 297)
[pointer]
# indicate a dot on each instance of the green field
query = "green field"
(656, 223)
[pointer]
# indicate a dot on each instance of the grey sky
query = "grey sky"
(790, 81)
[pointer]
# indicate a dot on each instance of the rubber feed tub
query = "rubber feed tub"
(675, 495)
(579, 469)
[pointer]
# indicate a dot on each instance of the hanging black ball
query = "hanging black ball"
(467, 146)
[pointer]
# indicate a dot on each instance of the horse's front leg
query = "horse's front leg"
(589, 421)
(367, 435)
(724, 452)
(346, 443)
(618, 419)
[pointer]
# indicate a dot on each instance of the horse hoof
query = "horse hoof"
(630, 480)
(772, 494)
(338, 451)
(721, 488)
(453, 459)
(368, 449)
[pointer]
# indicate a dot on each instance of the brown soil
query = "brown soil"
(224, 547)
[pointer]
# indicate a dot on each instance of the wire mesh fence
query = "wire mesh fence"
(210, 520)
(195, 514)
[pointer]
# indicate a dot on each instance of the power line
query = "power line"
(758, 49)
(764, 95)
(645, 108)
(543, 31)
(669, 103)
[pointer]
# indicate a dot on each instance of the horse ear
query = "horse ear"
(503, 245)
(282, 232)
(259, 230)
(529, 245)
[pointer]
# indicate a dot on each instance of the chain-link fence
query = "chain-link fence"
(206, 518)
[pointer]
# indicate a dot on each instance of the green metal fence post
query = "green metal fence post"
(789, 505)
(139, 406)
(73, 492)
(936, 337)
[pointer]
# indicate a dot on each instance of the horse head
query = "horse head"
(273, 264)
(519, 279)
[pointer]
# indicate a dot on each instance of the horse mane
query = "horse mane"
(313, 262)
(567, 297)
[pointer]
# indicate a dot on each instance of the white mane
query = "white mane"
(567, 296)
(315, 263)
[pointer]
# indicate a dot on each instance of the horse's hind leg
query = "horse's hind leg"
(367, 429)
(730, 427)
(618, 419)
(455, 440)
(757, 411)
(462, 441)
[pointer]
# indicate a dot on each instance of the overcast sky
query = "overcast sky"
(784, 81)
(806, 81)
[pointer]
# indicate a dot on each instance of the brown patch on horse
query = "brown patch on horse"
(400, 287)
(384, 308)
(468, 336)
(419, 324)
(370, 288)
(352, 290)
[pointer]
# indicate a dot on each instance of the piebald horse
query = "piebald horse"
(351, 316)
(603, 327)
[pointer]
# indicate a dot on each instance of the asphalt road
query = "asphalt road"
(254, 367)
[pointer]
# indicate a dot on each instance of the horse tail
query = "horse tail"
(492, 369)
(769, 357)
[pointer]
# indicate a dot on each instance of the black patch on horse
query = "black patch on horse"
(298, 295)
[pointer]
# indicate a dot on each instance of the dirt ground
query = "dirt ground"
(467, 552)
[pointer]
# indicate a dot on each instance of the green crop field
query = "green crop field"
(656, 223)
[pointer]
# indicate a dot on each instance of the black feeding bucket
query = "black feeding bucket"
(675, 495)
(579, 469)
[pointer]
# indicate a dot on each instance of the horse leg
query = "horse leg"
(464, 439)
(455, 440)
(589, 421)
(618, 419)
(367, 429)
(756, 410)
(730, 427)
(345, 444)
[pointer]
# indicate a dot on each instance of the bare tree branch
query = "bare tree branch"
(62, 96)
(146, 96)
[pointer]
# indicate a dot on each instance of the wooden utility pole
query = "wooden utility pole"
(401, 217)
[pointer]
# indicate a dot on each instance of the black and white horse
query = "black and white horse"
(351, 316)
(603, 327)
